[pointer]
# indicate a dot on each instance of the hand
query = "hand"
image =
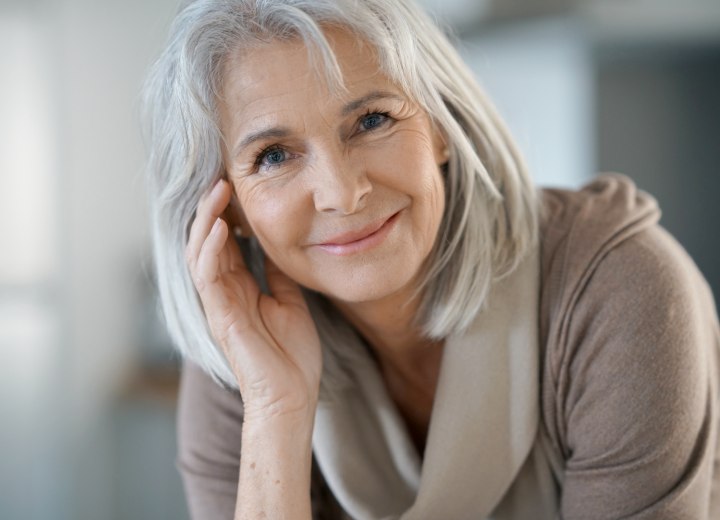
(271, 342)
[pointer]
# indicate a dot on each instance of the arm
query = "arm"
(209, 422)
(275, 469)
(273, 349)
(637, 394)
(211, 448)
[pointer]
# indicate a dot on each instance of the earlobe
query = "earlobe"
(236, 219)
(444, 155)
(442, 150)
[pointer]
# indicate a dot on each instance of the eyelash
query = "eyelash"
(260, 156)
(371, 112)
(266, 151)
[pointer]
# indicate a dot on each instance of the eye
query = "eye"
(271, 156)
(373, 120)
(275, 156)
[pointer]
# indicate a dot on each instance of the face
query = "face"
(343, 190)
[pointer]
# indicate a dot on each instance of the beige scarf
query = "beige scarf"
(483, 459)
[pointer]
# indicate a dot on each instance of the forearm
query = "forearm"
(275, 466)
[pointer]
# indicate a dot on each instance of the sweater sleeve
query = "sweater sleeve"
(638, 388)
(209, 428)
(209, 425)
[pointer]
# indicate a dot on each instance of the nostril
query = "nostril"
(344, 194)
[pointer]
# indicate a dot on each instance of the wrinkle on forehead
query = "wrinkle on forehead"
(275, 84)
(360, 56)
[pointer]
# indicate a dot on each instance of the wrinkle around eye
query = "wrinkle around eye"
(381, 118)
(266, 156)
(270, 168)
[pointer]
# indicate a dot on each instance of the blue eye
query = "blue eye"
(275, 156)
(372, 121)
(272, 157)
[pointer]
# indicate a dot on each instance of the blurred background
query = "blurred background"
(87, 376)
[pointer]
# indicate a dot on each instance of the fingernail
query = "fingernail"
(216, 226)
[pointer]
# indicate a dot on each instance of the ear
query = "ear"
(235, 218)
(440, 146)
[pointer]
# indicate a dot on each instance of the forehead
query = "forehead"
(285, 71)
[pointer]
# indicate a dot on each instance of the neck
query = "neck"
(389, 328)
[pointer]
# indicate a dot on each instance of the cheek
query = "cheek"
(434, 200)
(438, 192)
(270, 214)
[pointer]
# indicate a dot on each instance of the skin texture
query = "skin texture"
(337, 175)
(335, 170)
(345, 194)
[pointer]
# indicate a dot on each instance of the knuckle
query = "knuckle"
(200, 283)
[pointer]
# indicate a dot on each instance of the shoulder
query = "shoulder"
(639, 323)
(578, 230)
(605, 256)
(579, 227)
(630, 340)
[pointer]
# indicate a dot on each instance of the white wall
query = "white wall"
(72, 69)
(540, 76)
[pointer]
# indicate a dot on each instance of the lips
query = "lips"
(360, 239)
(354, 236)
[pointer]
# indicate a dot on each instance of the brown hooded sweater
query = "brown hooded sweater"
(630, 349)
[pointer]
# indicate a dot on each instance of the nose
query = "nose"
(339, 185)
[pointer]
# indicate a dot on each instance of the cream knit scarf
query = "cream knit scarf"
(482, 458)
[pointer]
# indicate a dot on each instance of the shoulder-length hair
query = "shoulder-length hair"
(491, 215)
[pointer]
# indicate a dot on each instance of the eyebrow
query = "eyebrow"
(279, 132)
(368, 98)
(275, 132)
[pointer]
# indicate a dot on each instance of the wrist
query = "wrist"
(275, 467)
(267, 424)
(280, 413)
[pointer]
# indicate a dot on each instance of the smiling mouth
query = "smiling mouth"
(361, 240)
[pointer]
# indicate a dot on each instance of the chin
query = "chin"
(370, 285)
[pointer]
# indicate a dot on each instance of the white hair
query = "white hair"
(491, 216)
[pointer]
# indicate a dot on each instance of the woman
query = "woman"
(381, 316)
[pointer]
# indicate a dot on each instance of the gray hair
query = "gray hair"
(491, 215)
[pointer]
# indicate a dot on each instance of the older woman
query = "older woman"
(381, 316)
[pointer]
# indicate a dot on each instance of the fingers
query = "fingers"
(220, 294)
(207, 266)
(211, 206)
